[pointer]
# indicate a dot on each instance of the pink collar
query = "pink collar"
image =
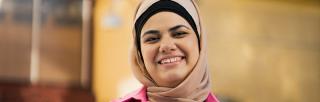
(141, 95)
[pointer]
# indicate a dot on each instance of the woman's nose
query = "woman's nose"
(167, 46)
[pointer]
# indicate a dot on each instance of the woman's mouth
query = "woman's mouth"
(171, 60)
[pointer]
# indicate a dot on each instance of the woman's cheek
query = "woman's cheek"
(190, 47)
(149, 54)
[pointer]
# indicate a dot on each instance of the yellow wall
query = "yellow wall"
(264, 51)
(111, 47)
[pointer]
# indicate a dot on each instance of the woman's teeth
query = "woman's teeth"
(170, 60)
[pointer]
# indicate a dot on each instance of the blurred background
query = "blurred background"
(78, 50)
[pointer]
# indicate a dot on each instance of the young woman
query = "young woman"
(169, 53)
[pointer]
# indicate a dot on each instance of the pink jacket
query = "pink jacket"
(141, 96)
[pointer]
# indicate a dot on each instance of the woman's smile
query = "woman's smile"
(170, 61)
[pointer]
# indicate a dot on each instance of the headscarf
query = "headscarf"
(196, 86)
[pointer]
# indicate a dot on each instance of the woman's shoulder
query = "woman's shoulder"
(135, 96)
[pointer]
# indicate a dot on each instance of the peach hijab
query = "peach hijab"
(196, 86)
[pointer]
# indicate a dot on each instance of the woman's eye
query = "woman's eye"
(151, 40)
(179, 34)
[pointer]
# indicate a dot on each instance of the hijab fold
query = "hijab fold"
(196, 86)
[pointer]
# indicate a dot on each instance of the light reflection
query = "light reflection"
(0, 4)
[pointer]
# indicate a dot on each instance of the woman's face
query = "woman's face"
(169, 47)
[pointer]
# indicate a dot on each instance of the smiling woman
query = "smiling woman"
(169, 53)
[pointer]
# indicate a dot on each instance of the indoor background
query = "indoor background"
(259, 50)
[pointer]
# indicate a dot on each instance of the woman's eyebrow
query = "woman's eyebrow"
(151, 32)
(177, 27)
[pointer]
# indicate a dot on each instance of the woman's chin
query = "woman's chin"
(172, 80)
